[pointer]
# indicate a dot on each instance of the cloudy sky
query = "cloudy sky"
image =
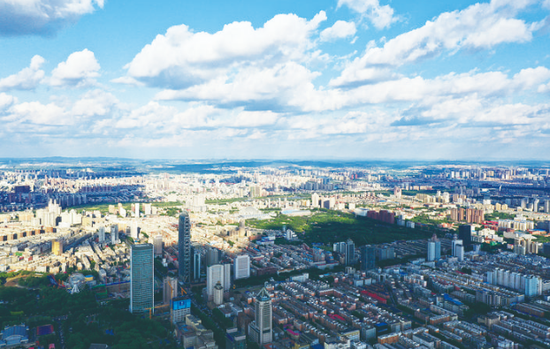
(349, 79)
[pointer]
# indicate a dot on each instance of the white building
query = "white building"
(242, 267)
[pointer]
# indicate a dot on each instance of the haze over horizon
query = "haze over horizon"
(328, 79)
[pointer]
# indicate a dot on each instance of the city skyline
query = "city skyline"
(338, 79)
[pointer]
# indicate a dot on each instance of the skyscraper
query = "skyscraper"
(261, 329)
(242, 267)
(350, 252)
(218, 273)
(465, 234)
(114, 233)
(196, 263)
(367, 258)
(434, 249)
(184, 247)
(141, 279)
(157, 243)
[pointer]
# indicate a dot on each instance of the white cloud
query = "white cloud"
(277, 84)
(479, 26)
(94, 103)
(182, 58)
(380, 16)
(41, 16)
(26, 79)
(255, 119)
(6, 100)
(546, 3)
(38, 113)
(339, 30)
(78, 70)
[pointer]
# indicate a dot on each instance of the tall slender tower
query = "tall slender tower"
(263, 317)
(141, 279)
(184, 247)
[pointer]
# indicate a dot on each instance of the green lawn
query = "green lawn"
(327, 227)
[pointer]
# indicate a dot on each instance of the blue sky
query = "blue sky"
(349, 79)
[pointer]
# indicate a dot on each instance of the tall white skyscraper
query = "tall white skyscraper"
(261, 330)
(157, 243)
(218, 273)
(242, 267)
(114, 233)
(101, 234)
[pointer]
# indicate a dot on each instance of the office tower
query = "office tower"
(134, 232)
(459, 252)
(218, 294)
(465, 234)
(196, 263)
(314, 200)
(547, 206)
(157, 243)
(136, 213)
(101, 234)
(431, 251)
(141, 279)
(184, 247)
(114, 233)
(454, 244)
(218, 273)
(169, 289)
(350, 252)
(261, 328)
(57, 247)
(339, 247)
(242, 267)
(434, 249)
(367, 258)
(212, 256)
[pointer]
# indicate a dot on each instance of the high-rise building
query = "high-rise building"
(465, 234)
(434, 249)
(114, 234)
(242, 267)
(261, 329)
(454, 244)
(368, 260)
(218, 294)
(350, 252)
(141, 279)
(57, 247)
(169, 289)
(134, 230)
(184, 247)
(218, 273)
(212, 256)
(459, 252)
(196, 263)
(157, 243)
(101, 234)
(180, 307)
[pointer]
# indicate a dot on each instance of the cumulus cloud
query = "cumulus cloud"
(251, 86)
(6, 101)
(38, 113)
(43, 17)
(79, 69)
(380, 16)
(182, 58)
(94, 103)
(480, 26)
(339, 30)
(26, 79)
